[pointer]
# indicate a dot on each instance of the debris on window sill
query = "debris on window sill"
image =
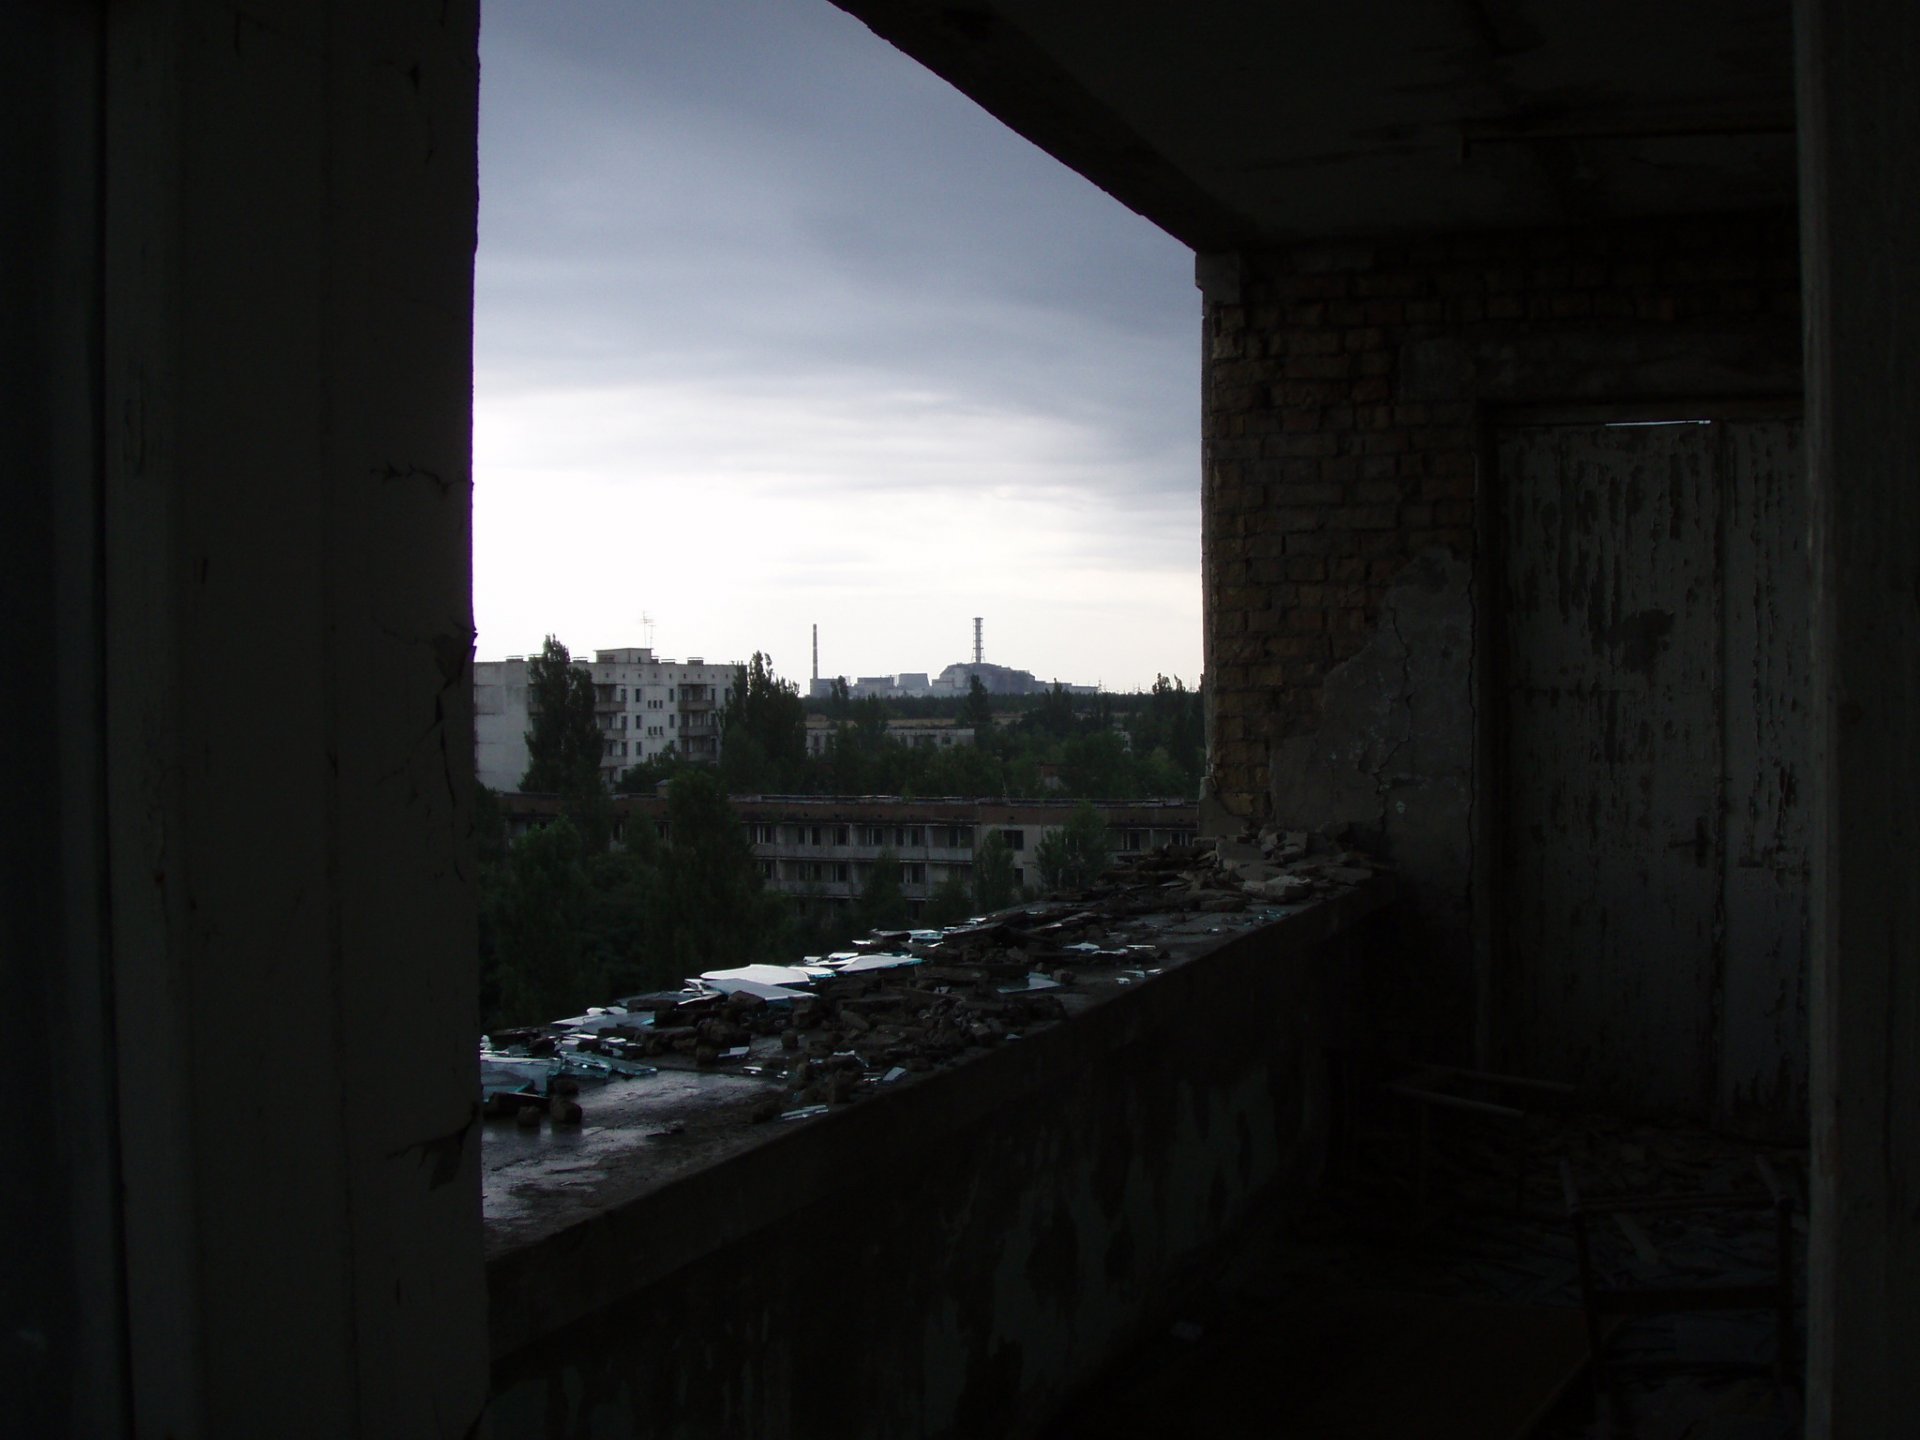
(713, 1063)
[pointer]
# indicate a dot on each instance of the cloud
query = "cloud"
(751, 279)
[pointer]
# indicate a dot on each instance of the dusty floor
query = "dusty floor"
(1376, 1314)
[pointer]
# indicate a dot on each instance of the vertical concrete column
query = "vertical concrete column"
(1860, 131)
(290, 200)
(1219, 278)
(60, 1352)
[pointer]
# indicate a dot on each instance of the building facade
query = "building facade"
(822, 848)
(643, 704)
(956, 679)
(935, 734)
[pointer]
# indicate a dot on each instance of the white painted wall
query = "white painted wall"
(653, 710)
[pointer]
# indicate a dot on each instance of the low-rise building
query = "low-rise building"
(642, 704)
(907, 685)
(955, 680)
(823, 847)
(933, 734)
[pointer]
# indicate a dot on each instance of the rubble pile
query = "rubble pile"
(898, 1003)
(972, 988)
(1261, 865)
(902, 1002)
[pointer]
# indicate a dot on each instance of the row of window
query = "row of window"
(953, 837)
(840, 872)
(618, 749)
(819, 740)
(900, 837)
(1144, 839)
(687, 692)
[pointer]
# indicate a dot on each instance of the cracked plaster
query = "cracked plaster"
(1389, 765)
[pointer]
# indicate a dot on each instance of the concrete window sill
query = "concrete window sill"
(575, 1220)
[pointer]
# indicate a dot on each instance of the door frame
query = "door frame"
(1493, 1020)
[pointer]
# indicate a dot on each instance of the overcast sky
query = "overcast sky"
(774, 327)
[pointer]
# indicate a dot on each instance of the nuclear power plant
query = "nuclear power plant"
(956, 679)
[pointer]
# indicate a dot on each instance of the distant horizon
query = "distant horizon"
(702, 658)
(587, 652)
(774, 327)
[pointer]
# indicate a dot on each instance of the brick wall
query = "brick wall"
(1345, 384)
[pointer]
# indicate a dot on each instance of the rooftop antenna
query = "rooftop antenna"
(646, 627)
(977, 651)
(816, 652)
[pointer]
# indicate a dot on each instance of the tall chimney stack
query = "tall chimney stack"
(816, 650)
(977, 651)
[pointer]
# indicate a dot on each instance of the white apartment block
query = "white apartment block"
(642, 704)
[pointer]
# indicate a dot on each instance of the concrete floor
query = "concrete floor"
(1370, 1314)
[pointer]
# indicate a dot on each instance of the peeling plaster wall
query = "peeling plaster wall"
(1653, 855)
(1349, 389)
(1389, 762)
(995, 1235)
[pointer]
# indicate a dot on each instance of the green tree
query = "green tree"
(768, 714)
(869, 717)
(860, 758)
(1023, 769)
(1170, 722)
(816, 925)
(489, 826)
(977, 709)
(564, 743)
(846, 767)
(627, 941)
(993, 887)
(969, 770)
(622, 934)
(745, 766)
(539, 921)
(882, 904)
(1157, 776)
(645, 778)
(1053, 715)
(1075, 855)
(950, 903)
(590, 808)
(490, 858)
(1096, 766)
(715, 912)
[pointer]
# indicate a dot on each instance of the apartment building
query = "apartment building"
(823, 847)
(643, 704)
